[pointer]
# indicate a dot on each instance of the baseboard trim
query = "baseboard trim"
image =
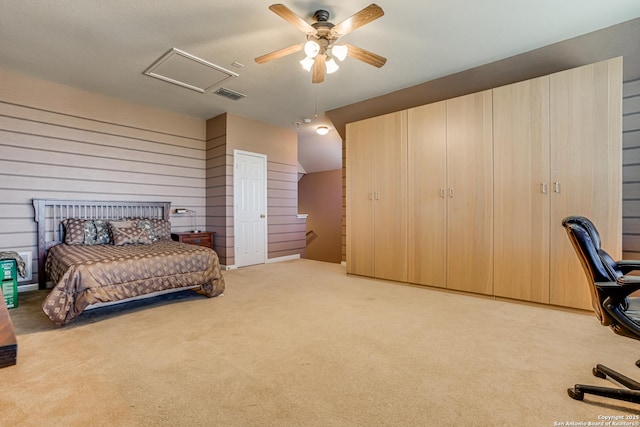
(283, 258)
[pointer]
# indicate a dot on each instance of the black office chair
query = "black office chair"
(610, 290)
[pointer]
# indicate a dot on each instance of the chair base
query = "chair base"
(630, 394)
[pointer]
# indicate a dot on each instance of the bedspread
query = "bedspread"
(89, 274)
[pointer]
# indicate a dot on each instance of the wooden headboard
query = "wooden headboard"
(49, 213)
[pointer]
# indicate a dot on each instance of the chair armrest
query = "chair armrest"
(628, 265)
(618, 291)
(629, 281)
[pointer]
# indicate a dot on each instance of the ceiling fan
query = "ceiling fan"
(322, 44)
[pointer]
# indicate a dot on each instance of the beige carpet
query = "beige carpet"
(300, 343)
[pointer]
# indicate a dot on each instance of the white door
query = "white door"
(250, 201)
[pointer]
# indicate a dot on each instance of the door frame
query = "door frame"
(236, 189)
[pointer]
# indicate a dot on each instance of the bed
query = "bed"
(96, 253)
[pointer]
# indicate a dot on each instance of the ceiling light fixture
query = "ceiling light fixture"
(322, 44)
(311, 49)
(332, 66)
(322, 130)
(340, 51)
(307, 63)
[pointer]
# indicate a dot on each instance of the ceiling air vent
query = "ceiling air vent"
(228, 93)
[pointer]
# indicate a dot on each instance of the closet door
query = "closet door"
(586, 164)
(427, 186)
(521, 190)
(360, 192)
(377, 197)
(389, 144)
(470, 193)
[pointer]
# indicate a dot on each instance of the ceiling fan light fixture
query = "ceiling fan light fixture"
(307, 63)
(322, 40)
(332, 66)
(322, 130)
(340, 51)
(311, 48)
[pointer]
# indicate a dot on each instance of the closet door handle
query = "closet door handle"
(377, 195)
(442, 191)
(556, 187)
(370, 196)
(543, 187)
(451, 192)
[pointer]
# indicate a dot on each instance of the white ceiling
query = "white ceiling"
(105, 46)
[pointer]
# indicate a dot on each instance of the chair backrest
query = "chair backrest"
(597, 264)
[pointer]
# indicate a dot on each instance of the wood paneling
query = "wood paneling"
(631, 170)
(285, 232)
(60, 142)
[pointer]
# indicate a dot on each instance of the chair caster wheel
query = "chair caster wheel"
(575, 393)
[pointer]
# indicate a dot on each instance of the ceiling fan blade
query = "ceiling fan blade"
(319, 69)
(285, 13)
(366, 15)
(279, 53)
(365, 56)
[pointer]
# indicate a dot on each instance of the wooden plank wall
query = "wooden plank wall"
(227, 132)
(631, 170)
(219, 187)
(286, 232)
(60, 142)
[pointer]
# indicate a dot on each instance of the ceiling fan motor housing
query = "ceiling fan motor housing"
(321, 16)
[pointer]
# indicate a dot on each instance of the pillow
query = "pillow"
(89, 232)
(146, 225)
(74, 230)
(124, 223)
(130, 236)
(103, 237)
(160, 229)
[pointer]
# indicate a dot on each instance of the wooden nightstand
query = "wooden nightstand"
(203, 238)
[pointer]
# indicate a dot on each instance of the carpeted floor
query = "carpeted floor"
(300, 343)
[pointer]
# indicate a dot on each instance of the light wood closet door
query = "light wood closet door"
(360, 191)
(470, 193)
(390, 197)
(521, 190)
(586, 159)
(427, 184)
(377, 197)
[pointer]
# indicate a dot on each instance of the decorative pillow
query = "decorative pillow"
(146, 224)
(74, 231)
(130, 236)
(89, 232)
(124, 223)
(103, 237)
(160, 228)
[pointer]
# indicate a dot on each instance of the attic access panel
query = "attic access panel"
(186, 70)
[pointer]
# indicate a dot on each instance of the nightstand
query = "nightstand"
(202, 238)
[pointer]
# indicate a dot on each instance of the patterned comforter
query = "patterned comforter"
(89, 274)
